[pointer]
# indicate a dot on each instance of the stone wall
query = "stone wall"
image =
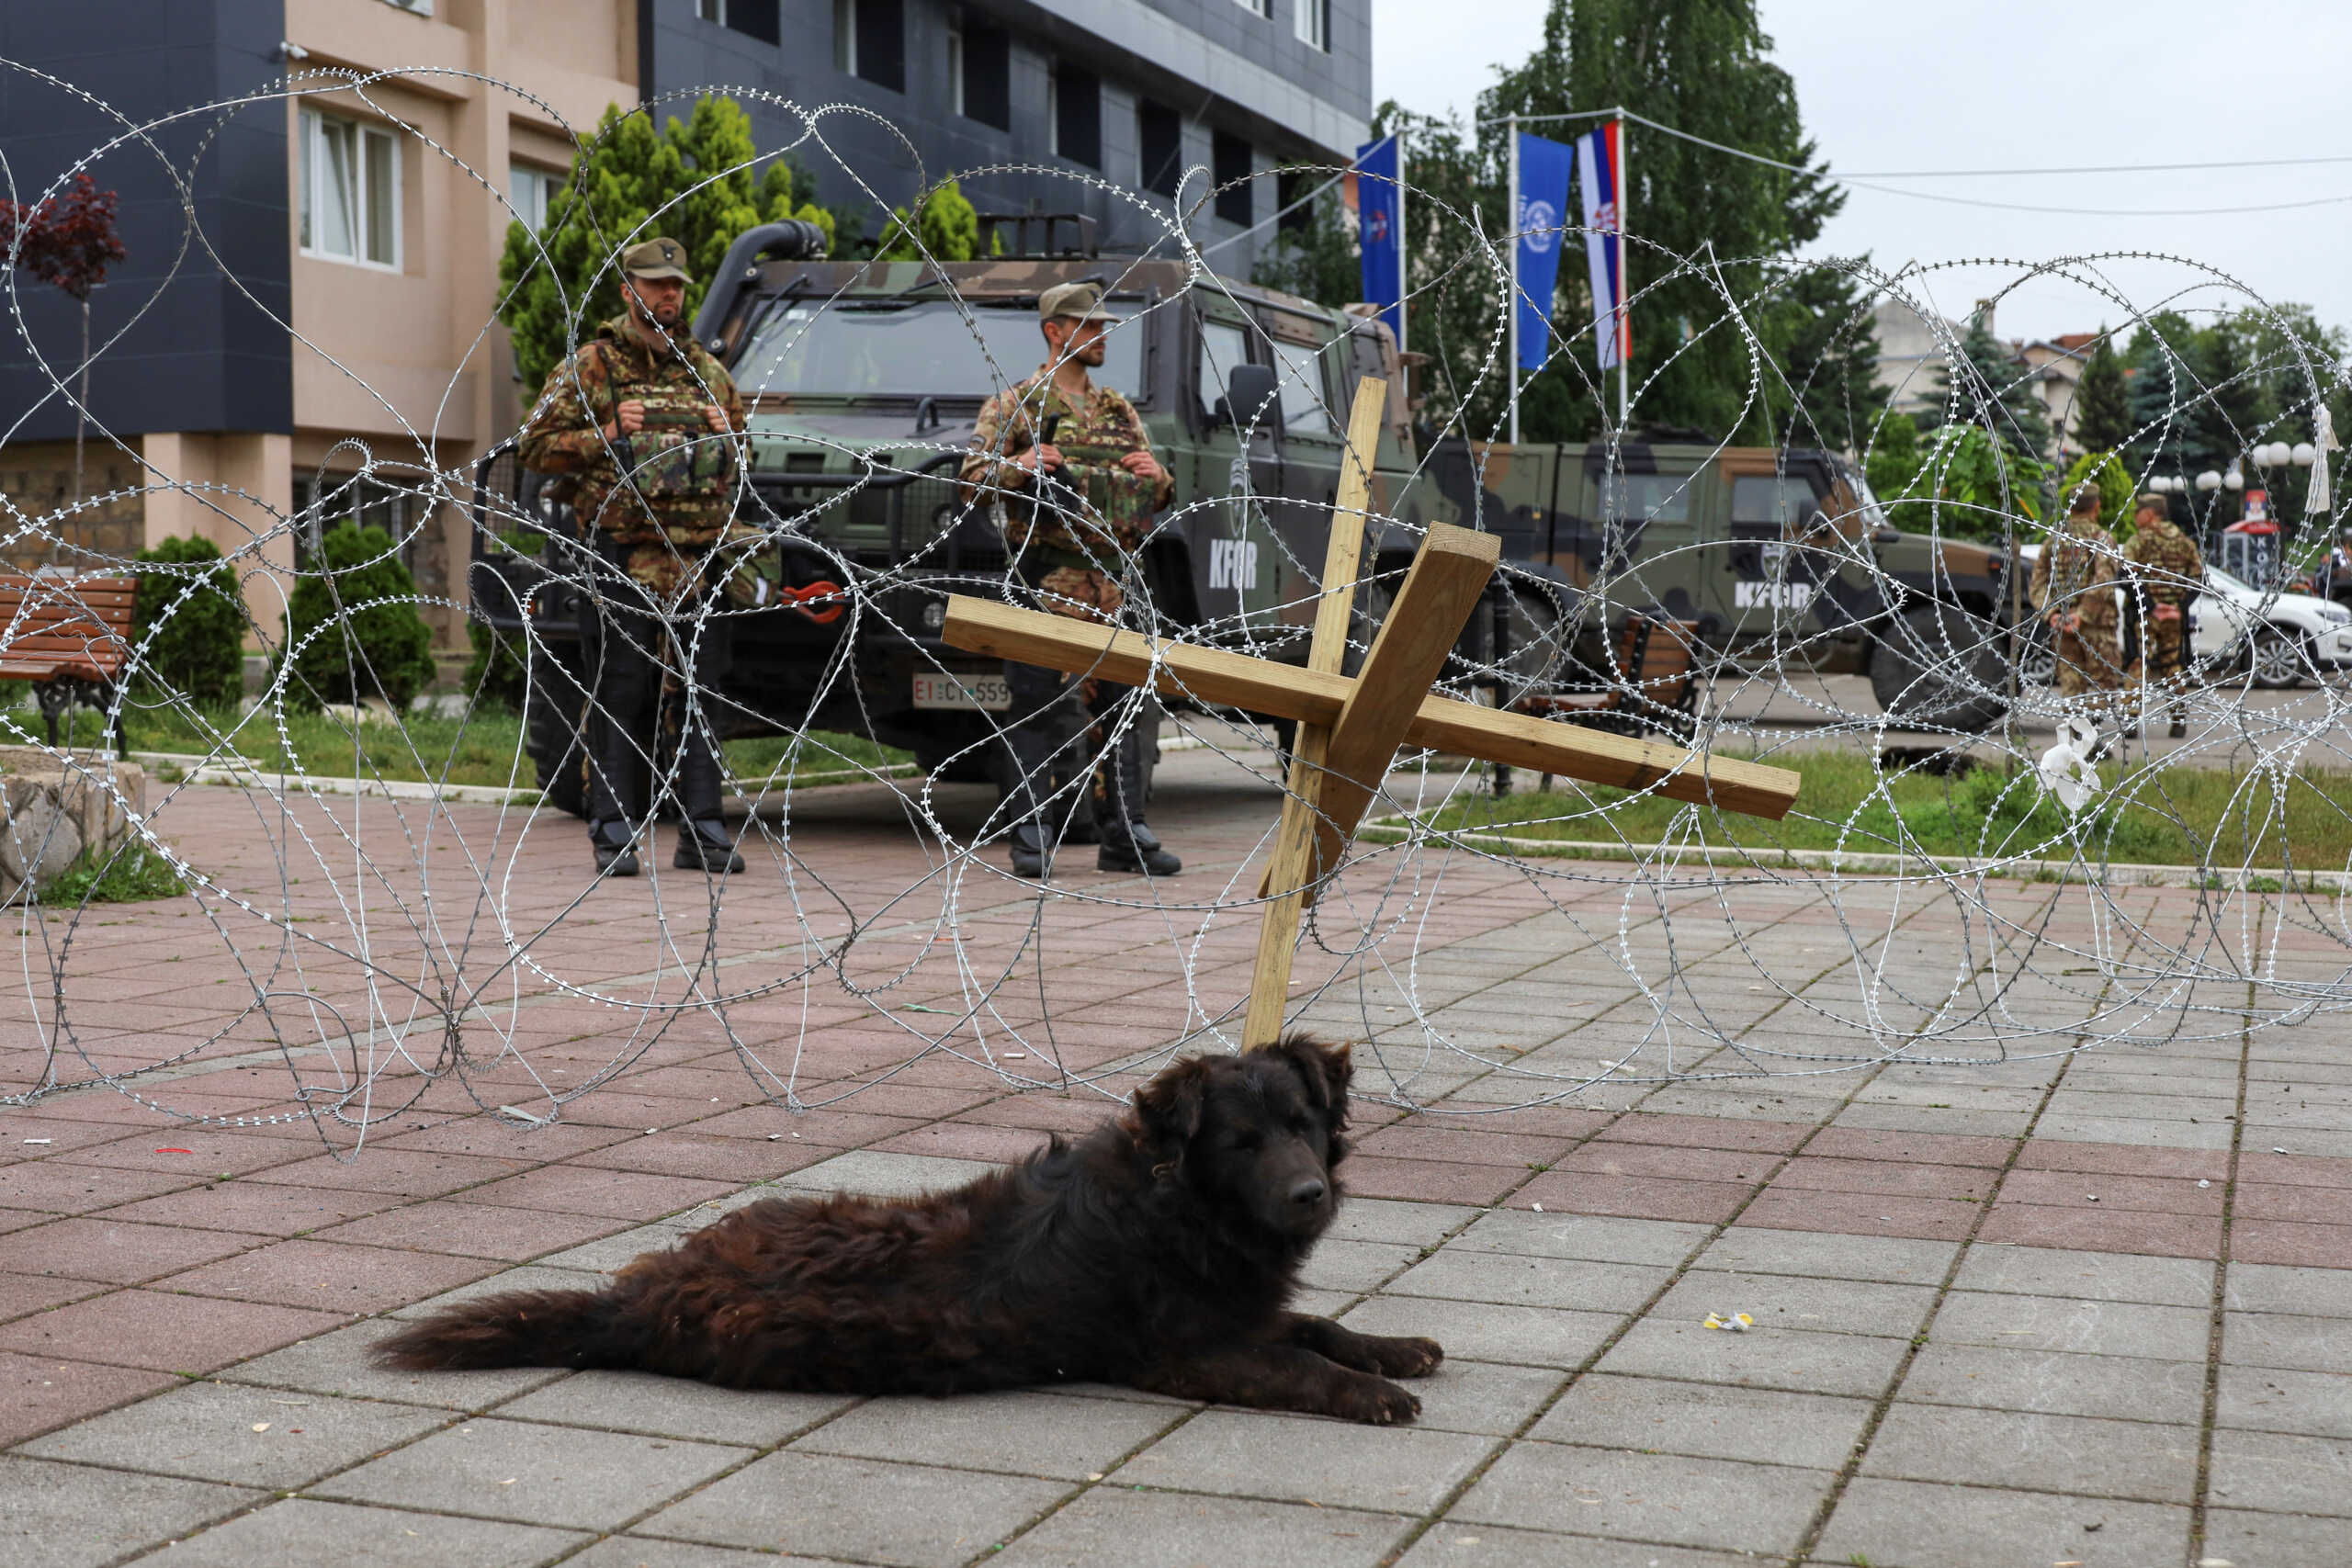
(36, 478)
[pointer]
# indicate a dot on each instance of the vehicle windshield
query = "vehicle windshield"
(2219, 579)
(915, 349)
(1865, 500)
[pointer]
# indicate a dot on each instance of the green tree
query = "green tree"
(2102, 402)
(2232, 406)
(949, 228)
(1703, 67)
(2105, 472)
(1893, 460)
(1983, 384)
(1318, 260)
(2162, 386)
(1963, 484)
(196, 618)
(361, 602)
(1830, 359)
(693, 181)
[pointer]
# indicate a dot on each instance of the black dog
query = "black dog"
(1159, 1251)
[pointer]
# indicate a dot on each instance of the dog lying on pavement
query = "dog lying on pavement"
(1160, 1251)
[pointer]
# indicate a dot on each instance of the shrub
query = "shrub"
(496, 675)
(374, 644)
(199, 651)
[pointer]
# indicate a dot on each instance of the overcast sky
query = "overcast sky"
(2025, 84)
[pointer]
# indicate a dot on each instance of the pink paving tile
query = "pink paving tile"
(57, 1136)
(1860, 1213)
(2098, 1229)
(840, 1129)
(1466, 1142)
(997, 1145)
(1633, 1197)
(1928, 1148)
(253, 1207)
(1676, 1162)
(180, 1152)
(2300, 1246)
(1048, 1113)
(2294, 1170)
(56, 1187)
(2085, 1190)
(497, 1139)
(1885, 1176)
(1428, 1180)
(164, 1333)
(331, 1276)
(1708, 1132)
(2124, 1159)
(578, 1190)
(680, 1151)
(21, 1295)
(38, 1395)
(398, 1173)
(1541, 1120)
(116, 1252)
(2305, 1205)
(475, 1230)
(18, 1219)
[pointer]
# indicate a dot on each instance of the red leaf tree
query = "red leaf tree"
(68, 240)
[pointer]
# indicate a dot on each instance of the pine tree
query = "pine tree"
(1982, 384)
(2102, 402)
(693, 182)
(2163, 391)
(1831, 360)
(2230, 410)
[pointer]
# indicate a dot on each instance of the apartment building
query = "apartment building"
(308, 292)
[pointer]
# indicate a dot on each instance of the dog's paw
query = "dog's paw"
(1378, 1402)
(1412, 1358)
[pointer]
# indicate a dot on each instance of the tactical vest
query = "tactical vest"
(683, 470)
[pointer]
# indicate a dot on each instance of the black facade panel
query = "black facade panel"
(201, 299)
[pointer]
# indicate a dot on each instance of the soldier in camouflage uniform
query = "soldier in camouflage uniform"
(2074, 586)
(639, 426)
(2166, 569)
(1071, 467)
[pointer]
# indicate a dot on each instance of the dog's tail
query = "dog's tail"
(520, 1328)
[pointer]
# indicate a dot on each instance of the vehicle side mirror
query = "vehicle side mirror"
(1252, 400)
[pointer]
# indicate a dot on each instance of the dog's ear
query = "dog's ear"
(1326, 1069)
(1168, 1108)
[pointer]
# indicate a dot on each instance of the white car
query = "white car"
(2232, 625)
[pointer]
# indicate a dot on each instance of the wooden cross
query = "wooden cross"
(1349, 730)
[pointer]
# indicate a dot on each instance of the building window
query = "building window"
(1159, 140)
(529, 189)
(1258, 8)
(1313, 20)
(1077, 99)
(870, 42)
(1294, 209)
(753, 18)
(1230, 166)
(983, 70)
(350, 196)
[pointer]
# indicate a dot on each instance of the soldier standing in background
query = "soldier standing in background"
(2166, 569)
(2074, 586)
(640, 424)
(1071, 466)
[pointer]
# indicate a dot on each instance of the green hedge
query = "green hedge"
(383, 649)
(198, 653)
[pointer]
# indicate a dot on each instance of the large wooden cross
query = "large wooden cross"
(1349, 730)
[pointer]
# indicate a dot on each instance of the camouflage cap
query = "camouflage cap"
(657, 258)
(1082, 301)
(2153, 501)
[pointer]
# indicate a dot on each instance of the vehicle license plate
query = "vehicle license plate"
(955, 689)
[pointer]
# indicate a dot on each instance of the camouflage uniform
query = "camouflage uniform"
(2165, 566)
(2076, 576)
(659, 503)
(1069, 532)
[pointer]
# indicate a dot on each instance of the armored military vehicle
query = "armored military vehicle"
(863, 380)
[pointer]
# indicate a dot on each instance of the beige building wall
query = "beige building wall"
(407, 368)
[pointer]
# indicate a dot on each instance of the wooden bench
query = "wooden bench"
(1654, 684)
(71, 636)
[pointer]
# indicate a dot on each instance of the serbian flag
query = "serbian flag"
(1543, 168)
(1600, 171)
(1380, 234)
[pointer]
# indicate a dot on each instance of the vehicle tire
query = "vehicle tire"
(1937, 667)
(552, 706)
(2275, 659)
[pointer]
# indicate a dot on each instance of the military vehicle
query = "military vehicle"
(863, 380)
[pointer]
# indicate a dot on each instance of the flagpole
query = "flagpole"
(1625, 284)
(1510, 127)
(1404, 284)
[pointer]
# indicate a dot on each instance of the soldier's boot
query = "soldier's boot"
(1026, 754)
(1126, 845)
(616, 856)
(703, 843)
(2178, 729)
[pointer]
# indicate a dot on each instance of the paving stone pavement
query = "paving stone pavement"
(2057, 1310)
